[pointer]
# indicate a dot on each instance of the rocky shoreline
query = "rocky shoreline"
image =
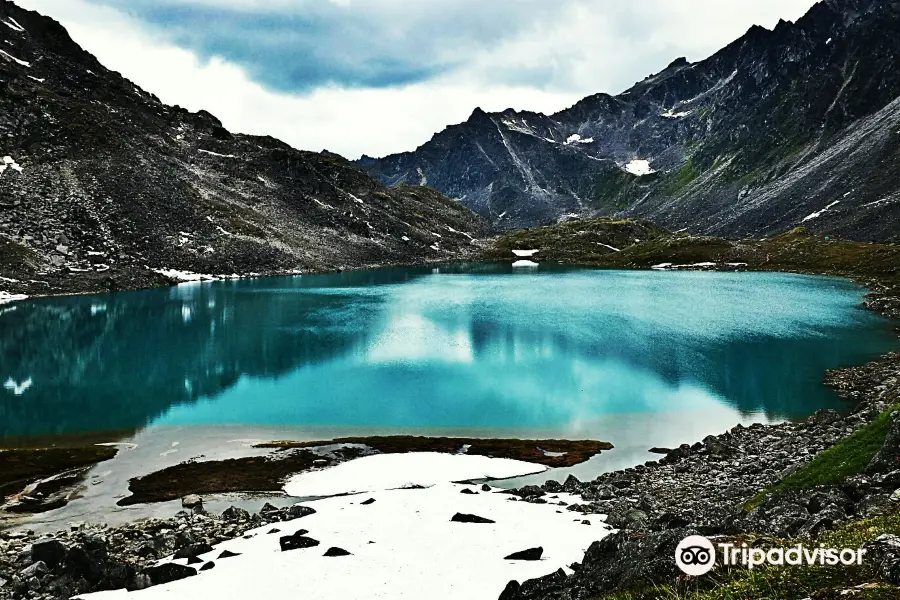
(703, 489)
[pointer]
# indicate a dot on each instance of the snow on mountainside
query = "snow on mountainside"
(774, 127)
(103, 186)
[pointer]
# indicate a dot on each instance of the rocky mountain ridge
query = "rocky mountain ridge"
(102, 186)
(797, 125)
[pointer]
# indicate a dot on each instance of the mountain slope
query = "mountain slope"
(795, 125)
(102, 184)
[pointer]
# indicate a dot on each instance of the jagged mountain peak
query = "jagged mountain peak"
(758, 138)
(103, 185)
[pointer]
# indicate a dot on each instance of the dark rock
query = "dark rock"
(195, 561)
(485, 487)
(571, 484)
(298, 511)
(80, 564)
(367, 502)
(228, 554)
(552, 487)
(884, 552)
(530, 554)
(888, 458)
(164, 573)
(192, 502)
(334, 551)
(208, 566)
(273, 530)
(467, 491)
(511, 591)
(51, 552)
(38, 569)
(234, 513)
(464, 518)
(193, 550)
(658, 450)
(296, 542)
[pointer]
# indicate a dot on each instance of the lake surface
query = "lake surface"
(636, 358)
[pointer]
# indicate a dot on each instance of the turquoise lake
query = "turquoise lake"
(637, 358)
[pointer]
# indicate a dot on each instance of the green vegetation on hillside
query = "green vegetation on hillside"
(848, 457)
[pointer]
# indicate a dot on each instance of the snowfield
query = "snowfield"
(639, 167)
(402, 546)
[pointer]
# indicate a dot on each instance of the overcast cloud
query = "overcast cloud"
(382, 76)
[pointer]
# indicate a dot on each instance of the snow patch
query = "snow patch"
(639, 167)
(819, 213)
(613, 248)
(14, 59)
(423, 180)
(211, 153)
(577, 139)
(393, 471)
(38, 79)
(12, 24)
(9, 163)
(670, 114)
(525, 253)
(6, 297)
(415, 547)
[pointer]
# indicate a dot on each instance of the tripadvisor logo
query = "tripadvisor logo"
(696, 555)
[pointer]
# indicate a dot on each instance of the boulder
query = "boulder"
(464, 518)
(296, 541)
(298, 511)
(235, 514)
(51, 552)
(334, 551)
(888, 457)
(208, 566)
(530, 554)
(192, 502)
(160, 574)
(884, 552)
(368, 502)
(193, 550)
(38, 569)
(572, 485)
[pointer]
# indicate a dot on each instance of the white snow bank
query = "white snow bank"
(14, 59)
(211, 153)
(6, 297)
(639, 167)
(389, 471)
(577, 139)
(671, 114)
(699, 265)
(185, 275)
(819, 213)
(525, 253)
(403, 547)
(12, 24)
(9, 163)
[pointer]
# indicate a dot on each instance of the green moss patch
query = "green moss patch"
(848, 457)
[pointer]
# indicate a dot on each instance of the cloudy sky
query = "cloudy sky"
(382, 76)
